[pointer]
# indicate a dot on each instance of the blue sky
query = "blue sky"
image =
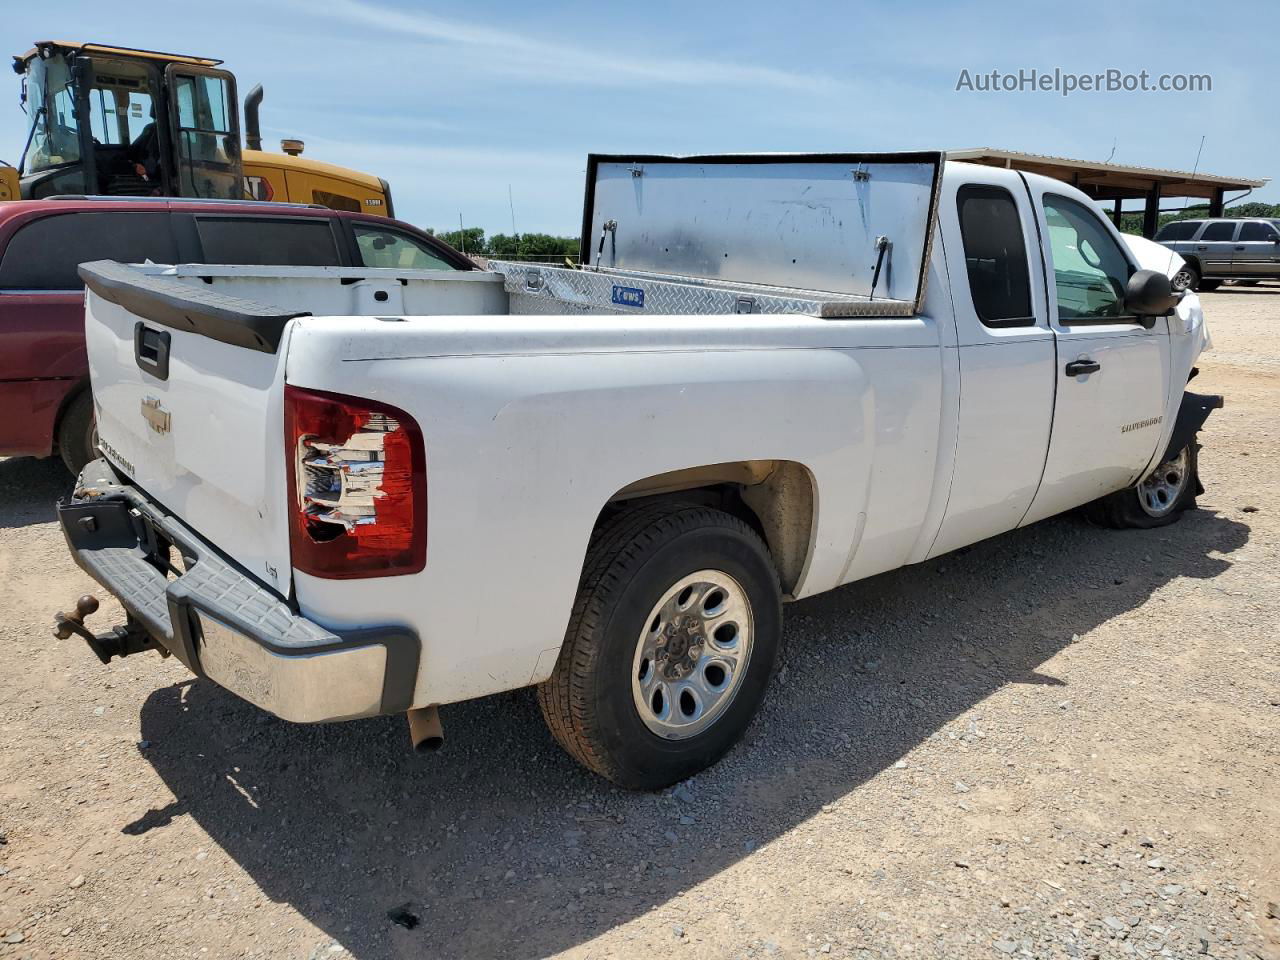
(454, 104)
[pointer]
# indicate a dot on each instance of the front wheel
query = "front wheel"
(1187, 278)
(672, 642)
(1158, 499)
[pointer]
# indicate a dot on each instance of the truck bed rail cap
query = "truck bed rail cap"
(186, 306)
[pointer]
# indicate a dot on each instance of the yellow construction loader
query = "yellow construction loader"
(113, 121)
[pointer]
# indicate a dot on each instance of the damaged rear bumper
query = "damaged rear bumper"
(222, 623)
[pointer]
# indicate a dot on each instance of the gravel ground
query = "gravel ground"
(1062, 742)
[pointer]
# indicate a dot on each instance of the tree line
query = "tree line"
(516, 246)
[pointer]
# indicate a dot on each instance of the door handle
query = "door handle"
(1202, 248)
(1239, 248)
(1078, 368)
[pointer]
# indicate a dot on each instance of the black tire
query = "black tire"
(77, 433)
(1188, 278)
(1124, 509)
(633, 560)
(1208, 286)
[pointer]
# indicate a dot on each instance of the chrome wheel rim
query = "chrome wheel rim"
(1159, 493)
(1181, 280)
(692, 654)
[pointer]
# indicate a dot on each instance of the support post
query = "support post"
(1117, 212)
(1215, 203)
(1151, 215)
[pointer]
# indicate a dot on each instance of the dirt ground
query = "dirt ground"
(1063, 742)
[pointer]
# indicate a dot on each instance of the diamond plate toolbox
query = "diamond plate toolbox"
(539, 289)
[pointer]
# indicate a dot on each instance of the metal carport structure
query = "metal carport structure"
(1116, 183)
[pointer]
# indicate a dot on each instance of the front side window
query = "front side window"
(1218, 231)
(1258, 231)
(207, 136)
(995, 256)
(381, 247)
(51, 109)
(1089, 269)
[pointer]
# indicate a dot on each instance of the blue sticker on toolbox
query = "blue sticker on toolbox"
(628, 296)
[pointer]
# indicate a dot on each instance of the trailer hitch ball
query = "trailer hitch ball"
(65, 624)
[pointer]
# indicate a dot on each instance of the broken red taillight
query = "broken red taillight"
(358, 483)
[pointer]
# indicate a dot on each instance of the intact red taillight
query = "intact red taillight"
(357, 486)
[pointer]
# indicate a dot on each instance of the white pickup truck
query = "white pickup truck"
(344, 493)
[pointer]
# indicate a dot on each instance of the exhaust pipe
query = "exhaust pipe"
(424, 729)
(252, 132)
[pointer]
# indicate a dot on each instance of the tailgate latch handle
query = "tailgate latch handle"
(151, 350)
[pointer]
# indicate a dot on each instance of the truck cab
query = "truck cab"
(120, 122)
(117, 122)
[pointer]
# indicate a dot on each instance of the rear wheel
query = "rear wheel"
(1157, 500)
(673, 639)
(78, 433)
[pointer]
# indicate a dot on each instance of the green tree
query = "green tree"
(469, 240)
(502, 245)
(532, 246)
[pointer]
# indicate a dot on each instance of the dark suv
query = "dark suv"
(1223, 249)
(44, 374)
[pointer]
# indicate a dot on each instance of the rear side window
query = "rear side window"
(995, 256)
(1181, 230)
(384, 247)
(1219, 231)
(261, 241)
(44, 254)
(1257, 231)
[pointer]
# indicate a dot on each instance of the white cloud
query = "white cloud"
(546, 61)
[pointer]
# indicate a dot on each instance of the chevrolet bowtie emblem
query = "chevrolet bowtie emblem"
(155, 415)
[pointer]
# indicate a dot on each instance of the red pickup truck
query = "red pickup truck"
(44, 374)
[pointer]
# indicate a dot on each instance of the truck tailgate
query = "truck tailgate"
(188, 390)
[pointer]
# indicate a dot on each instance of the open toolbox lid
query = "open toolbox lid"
(820, 221)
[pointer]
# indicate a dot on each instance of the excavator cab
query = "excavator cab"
(118, 122)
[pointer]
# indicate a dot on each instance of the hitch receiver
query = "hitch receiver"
(116, 642)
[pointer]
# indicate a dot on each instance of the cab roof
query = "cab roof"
(106, 48)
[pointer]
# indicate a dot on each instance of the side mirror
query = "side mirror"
(1149, 294)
